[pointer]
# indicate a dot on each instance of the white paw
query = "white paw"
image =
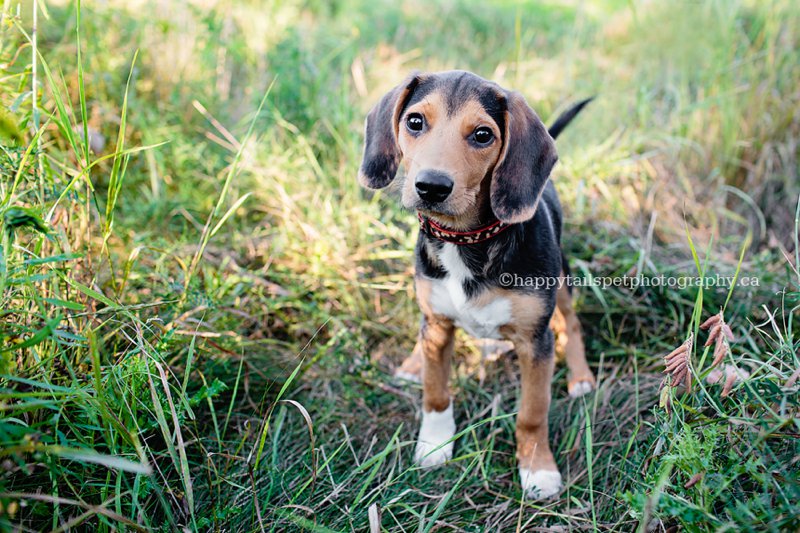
(580, 388)
(407, 376)
(541, 484)
(435, 431)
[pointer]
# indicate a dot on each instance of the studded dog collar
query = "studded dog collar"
(475, 236)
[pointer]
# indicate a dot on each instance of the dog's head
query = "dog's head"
(465, 142)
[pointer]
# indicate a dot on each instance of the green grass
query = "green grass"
(199, 316)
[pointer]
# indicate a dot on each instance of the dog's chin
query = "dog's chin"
(452, 221)
(441, 212)
(429, 209)
(437, 212)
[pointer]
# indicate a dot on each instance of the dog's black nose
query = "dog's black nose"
(433, 186)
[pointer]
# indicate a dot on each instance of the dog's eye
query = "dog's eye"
(415, 122)
(483, 135)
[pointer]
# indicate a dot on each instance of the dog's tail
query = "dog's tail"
(566, 117)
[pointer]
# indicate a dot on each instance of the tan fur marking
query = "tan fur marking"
(526, 311)
(574, 350)
(433, 257)
(422, 287)
(559, 327)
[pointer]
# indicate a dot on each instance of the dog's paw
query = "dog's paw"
(402, 375)
(434, 445)
(541, 484)
(411, 368)
(579, 387)
(427, 455)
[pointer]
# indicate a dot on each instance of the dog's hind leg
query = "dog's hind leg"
(581, 379)
(411, 367)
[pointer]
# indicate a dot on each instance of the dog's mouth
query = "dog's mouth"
(434, 209)
(440, 212)
(447, 213)
(442, 216)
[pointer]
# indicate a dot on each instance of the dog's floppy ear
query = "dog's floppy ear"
(525, 162)
(381, 153)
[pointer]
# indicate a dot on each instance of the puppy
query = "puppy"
(488, 258)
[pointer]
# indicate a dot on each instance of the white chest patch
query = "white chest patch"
(449, 299)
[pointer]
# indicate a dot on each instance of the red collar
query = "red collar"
(475, 236)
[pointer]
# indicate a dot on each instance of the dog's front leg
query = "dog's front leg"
(537, 467)
(438, 426)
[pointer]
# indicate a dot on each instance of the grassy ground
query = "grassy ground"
(200, 314)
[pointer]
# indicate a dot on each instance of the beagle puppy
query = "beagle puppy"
(488, 258)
